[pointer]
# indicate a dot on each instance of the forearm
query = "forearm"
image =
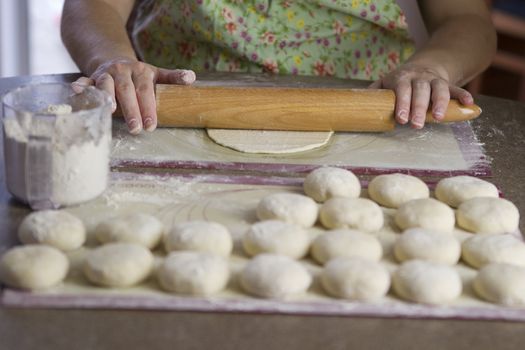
(94, 32)
(462, 39)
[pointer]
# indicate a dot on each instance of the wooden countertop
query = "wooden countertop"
(501, 128)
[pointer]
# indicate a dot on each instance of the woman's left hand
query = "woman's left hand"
(417, 87)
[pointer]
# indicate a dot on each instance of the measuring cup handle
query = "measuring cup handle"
(39, 163)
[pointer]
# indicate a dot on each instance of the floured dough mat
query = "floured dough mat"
(272, 151)
(249, 272)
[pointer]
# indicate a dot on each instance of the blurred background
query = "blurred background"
(30, 43)
(30, 38)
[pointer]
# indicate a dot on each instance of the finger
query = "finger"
(145, 91)
(125, 92)
(378, 84)
(175, 76)
(106, 83)
(403, 92)
(80, 84)
(420, 102)
(440, 98)
(462, 95)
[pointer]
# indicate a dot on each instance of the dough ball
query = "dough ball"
(425, 244)
(457, 189)
(118, 264)
(193, 273)
(355, 278)
(33, 267)
(138, 228)
(277, 237)
(274, 276)
(392, 190)
(426, 282)
(327, 182)
(289, 207)
(426, 213)
(480, 250)
(56, 228)
(488, 215)
(203, 236)
(357, 213)
(345, 243)
(501, 283)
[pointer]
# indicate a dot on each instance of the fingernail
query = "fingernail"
(468, 101)
(148, 124)
(134, 127)
(402, 116)
(438, 114)
(113, 105)
(417, 124)
(77, 87)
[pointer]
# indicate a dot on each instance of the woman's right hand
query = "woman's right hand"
(132, 84)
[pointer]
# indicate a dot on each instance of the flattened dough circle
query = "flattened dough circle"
(269, 141)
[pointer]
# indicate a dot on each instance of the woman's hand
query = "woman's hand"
(132, 84)
(417, 87)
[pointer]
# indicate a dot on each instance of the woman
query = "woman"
(343, 38)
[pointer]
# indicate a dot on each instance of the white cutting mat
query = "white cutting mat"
(231, 201)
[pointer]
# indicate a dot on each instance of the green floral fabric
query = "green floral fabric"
(348, 39)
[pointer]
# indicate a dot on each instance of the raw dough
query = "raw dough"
(345, 243)
(274, 276)
(480, 250)
(143, 229)
(327, 182)
(269, 141)
(501, 283)
(118, 264)
(425, 244)
(277, 237)
(392, 190)
(193, 273)
(289, 207)
(426, 282)
(56, 228)
(355, 278)
(198, 235)
(488, 215)
(426, 213)
(357, 213)
(457, 189)
(33, 267)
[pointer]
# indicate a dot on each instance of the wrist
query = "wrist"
(450, 65)
(97, 61)
(436, 65)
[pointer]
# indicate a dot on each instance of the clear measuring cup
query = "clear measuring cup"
(56, 144)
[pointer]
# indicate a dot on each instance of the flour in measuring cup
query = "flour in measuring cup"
(59, 109)
(80, 155)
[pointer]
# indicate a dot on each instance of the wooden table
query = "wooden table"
(501, 128)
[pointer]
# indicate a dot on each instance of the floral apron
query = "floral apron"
(347, 39)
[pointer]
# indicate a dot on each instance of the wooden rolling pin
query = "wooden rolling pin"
(278, 108)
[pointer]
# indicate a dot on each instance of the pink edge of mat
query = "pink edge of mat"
(480, 170)
(467, 142)
(212, 178)
(13, 298)
(236, 179)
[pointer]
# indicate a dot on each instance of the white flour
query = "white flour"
(80, 156)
